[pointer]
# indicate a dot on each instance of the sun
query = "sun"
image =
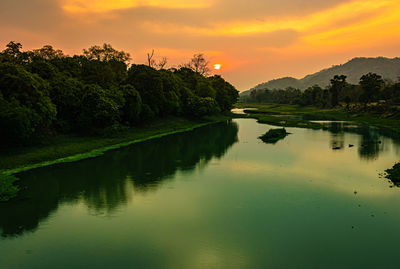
(217, 66)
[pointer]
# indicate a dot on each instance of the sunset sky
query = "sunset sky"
(254, 40)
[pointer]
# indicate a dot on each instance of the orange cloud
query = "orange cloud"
(316, 22)
(102, 6)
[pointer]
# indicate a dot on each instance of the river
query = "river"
(214, 197)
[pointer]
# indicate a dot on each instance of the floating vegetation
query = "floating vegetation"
(394, 174)
(274, 135)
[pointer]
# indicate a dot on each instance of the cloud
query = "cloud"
(256, 40)
(313, 22)
(101, 6)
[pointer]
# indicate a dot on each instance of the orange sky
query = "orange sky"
(254, 40)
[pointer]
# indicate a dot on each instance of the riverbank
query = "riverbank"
(263, 113)
(63, 149)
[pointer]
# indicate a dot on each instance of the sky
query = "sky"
(253, 40)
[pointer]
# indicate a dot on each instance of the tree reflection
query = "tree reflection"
(370, 144)
(337, 135)
(109, 181)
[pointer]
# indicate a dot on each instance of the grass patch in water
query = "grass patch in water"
(274, 135)
(394, 174)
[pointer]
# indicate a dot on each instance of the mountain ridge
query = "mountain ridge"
(388, 68)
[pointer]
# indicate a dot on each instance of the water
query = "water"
(216, 197)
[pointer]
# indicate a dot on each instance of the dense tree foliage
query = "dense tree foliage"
(44, 92)
(371, 89)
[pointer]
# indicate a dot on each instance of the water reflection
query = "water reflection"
(107, 182)
(371, 142)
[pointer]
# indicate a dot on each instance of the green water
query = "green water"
(215, 197)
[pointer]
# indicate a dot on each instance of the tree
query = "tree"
(106, 53)
(148, 82)
(162, 63)
(26, 109)
(202, 106)
(371, 84)
(48, 53)
(199, 64)
(13, 49)
(347, 100)
(150, 61)
(154, 63)
(98, 109)
(13, 53)
(226, 94)
(132, 106)
(338, 83)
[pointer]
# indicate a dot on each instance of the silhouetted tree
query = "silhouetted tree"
(48, 52)
(106, 53)
(371, 84)
(337, 85)
(199, 64)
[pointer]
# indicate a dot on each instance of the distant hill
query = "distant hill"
(353, 69)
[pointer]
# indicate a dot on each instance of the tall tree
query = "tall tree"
(370, 83)
(338, 83)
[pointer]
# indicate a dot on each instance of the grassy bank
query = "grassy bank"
(264, 111)
(73, 148)
(267, 114)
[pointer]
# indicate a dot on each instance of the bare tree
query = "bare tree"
(154, 63)
(199, 64)
(162, 63)
(151, 62)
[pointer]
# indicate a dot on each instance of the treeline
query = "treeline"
(45, 92)
(371, 89)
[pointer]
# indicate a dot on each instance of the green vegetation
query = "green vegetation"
(274, 135)
(353, 69)
(45, 93)
(7, 189)
(394, 174)
(371, 95)
(285, 121)
(69, 148)
(389, 125)
(57, 108)
(74, 148)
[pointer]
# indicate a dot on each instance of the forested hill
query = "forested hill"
(44, 92)
(353, 69)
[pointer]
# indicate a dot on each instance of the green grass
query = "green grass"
(286, 122)
(389, 124)
(63, 149)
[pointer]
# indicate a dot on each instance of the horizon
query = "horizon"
(254, 41)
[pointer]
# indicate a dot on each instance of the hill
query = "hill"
(353, 69)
